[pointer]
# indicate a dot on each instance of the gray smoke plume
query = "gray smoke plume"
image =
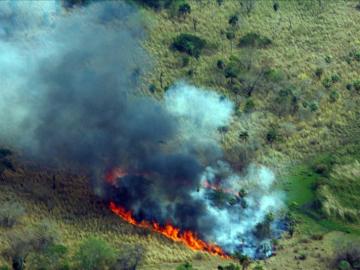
(68, 97)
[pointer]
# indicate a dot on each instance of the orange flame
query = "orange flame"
(186, 237)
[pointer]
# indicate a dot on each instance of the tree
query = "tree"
(93, 254)
(231, 71)
(233, 20)
(230, 35)
(189, 44)
(36, 238)
(247, 5)
(244, 260)
(184, 9)
(52, 258)
(276, 6)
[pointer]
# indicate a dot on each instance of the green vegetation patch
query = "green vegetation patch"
(339, 196)
(256, 40)
(189, 44)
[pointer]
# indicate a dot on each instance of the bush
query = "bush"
(52, 258)
(189, 44)
(344, 265)
(327, 82)
(233, 20)
(313, 106)
(354, 55)
(129, 258)
(185, 266)
(319, 72)
(272, 135)
(347, 257)
(94, 254)
(231, 266)
(10, 213)
(335, 78)
(152, 88)
(356, 85)
(33, 239)
(334, 96)
(184, 9)
(249, 106)
(220, 64)
(274, 75)
(349, 86)
(328, 59)
(254, 40)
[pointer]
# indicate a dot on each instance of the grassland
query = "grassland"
(304, 37)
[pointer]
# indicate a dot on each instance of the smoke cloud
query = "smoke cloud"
(69, 97)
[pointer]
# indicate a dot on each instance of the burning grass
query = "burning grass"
(188, 238)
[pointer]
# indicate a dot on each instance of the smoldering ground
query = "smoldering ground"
(69, 97)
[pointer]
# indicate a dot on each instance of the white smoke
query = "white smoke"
(236, 223)
(200, 113)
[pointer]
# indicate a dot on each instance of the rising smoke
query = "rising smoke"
(69, 97)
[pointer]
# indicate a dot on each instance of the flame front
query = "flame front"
(188, 238)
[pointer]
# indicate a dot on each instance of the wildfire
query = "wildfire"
(216, 187)
(186, 237)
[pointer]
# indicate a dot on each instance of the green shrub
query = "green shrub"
(253, 39)
(220, 64)
(335, 78)
(152, 88)
(189, 44)
(313, 106)
(52, 258)
(319, 72)
(334, 96)
(328, 59)
(276, 6)
(347, 258)
(220, 2)
(356, 85)
(233, 20)
(249, 105)
(327, 82)
(10, 213)
(230, 35)
(354, 55)
(272, 135)
(274, 75)
(184, 9)
(33, 239)
(4, 267)
(230, 266)
(185, 266)
(344, 265)
(94, 254)
(349, 86)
